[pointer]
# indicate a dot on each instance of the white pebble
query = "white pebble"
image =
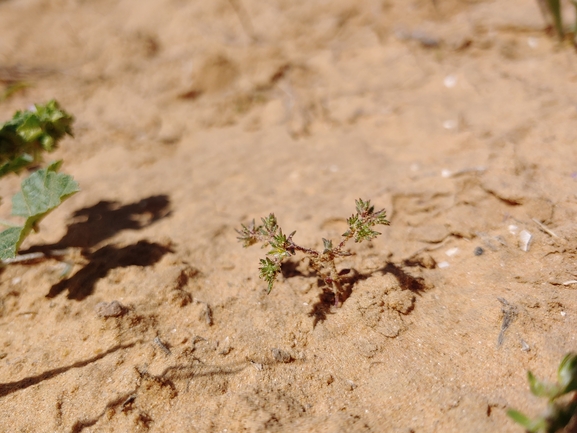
(225, 347)
(452, 251)
(525, 240)
(443, 265)
(450, 81)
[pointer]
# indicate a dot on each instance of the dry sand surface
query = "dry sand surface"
(458, 117)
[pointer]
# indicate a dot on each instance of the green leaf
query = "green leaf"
(279, 246)
(16, 164)
(268, 271)
(365, 233)
(47, 123)
(31, 132)
(41, 193)
(519, 418)
(270, 225)
(30, 129)
(364, 207)
(539, 388)
(567, 373)
(381, 218)
(539, 425)
(10, 241)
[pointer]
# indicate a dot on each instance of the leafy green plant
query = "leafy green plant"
(559, 410)
(23, 140)
(323, 262)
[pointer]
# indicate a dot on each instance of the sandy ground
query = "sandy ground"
(195, 117)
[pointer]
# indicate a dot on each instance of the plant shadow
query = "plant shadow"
(105, 219)
(128, 402)
(10, 387)
(417, 285)
(327, 299)
(81, 284)
(326, 303)
(97, 223)
(294, 268)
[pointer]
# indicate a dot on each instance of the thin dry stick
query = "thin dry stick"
(34, 256)
(158, 342)
(546, 229)
(568, 283)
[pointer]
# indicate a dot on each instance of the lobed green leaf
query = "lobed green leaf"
(40, 193)
(10, 240)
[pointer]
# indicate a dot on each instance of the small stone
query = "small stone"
(110, 309)
(170, 132)
(450, 81)
(226, 347)
(525, 240)
(452, 251)
(350, 385)
(281, 356)
(479, 251)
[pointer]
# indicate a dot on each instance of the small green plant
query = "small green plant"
(323, 262)
(23, 140)
(559, 410)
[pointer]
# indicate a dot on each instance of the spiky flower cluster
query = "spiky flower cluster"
(281, 246)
